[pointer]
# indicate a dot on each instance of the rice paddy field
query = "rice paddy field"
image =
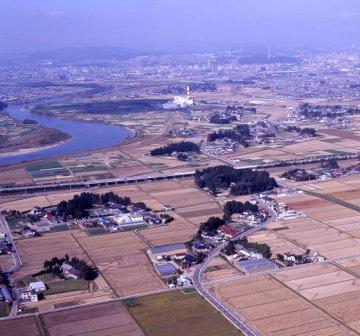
(176, 314)
(101, 320)
(272, 308)
(313, 299)
(122, 261)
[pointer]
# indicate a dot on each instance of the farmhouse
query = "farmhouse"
(166, 250)
(37, 287)
(227, 231)
(70, 272)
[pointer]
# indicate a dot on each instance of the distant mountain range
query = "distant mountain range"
(64, 55)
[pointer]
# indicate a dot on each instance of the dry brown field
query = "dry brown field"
(25, 326)
(200, 213)
(319, 281)
(332, 289)
(6, 262)
(122, 261)
(220, 269)
(34, 251)
(101, 320)
(14, 176)
(177, 231)
(273, 309)
(343, 134)
(276, 243)
(26, 204)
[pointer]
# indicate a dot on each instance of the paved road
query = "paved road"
(199, 283)
(17, 265)
(15, 253)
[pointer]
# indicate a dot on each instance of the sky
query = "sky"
(174, 25)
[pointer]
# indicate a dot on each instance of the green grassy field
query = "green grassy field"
(158, 165)
(59, 228)
(337, 152)
(14, 223)
(64, 286)
(25, 281)
(87, 169)
(5, 308)
(43, 165)
(178, 314)
(47, 169)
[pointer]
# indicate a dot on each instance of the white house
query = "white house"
(37, 287)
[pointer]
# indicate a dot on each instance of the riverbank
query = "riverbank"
(84, 136)
(32, 149)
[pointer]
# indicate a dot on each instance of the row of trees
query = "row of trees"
(184, 146)
(233, 207)
(242, 181)
(86, 272)
(79, 204)
(306, 131)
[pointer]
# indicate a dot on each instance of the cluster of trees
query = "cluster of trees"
(141, 205)
(110, 197)
(86, 271)
(264, 249)
(261, 248)
(242, 181)
(211, 225)
(3, 105)
(298, 175)
(218, 119)
(306, 131)
(241, 133)
(79, 204)
(4, 279)
(166, 218)
(331, 164)
(330, 111)
(229, 248)
(232, 207)
(182, 157)
(29, 122)
(184, 146)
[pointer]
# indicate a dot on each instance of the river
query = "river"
(84, 136)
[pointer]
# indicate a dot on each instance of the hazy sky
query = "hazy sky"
(174, 25)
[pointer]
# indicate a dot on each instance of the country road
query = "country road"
(199, 284)
(17, 265)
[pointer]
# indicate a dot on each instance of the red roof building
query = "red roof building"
(227, 231)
